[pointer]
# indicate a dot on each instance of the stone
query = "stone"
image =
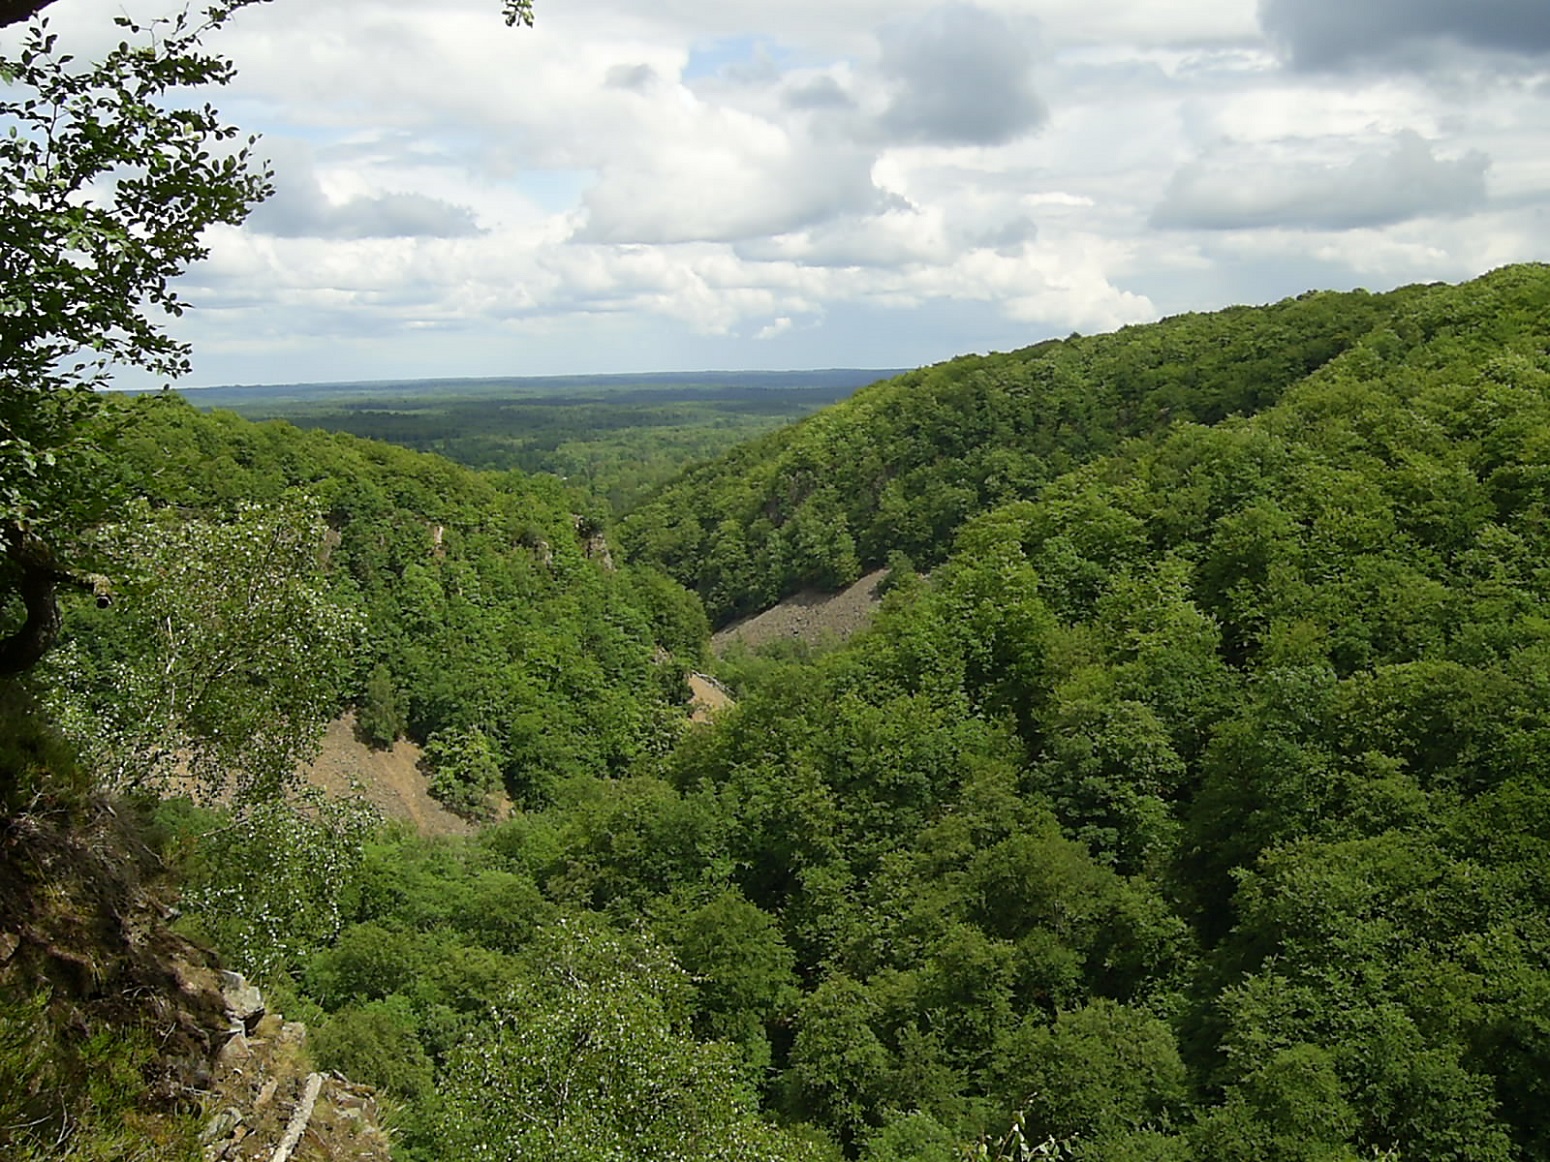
(292, 1033)
(243, 1000)
(221, 1126)
(234, 1051)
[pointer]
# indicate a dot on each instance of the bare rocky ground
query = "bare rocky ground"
(390, 779)
(709, 697)
(810, 617)
(267, 1102)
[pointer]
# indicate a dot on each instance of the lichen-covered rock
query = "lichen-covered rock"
(243, 1000)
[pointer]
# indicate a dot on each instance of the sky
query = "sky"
(698, 184)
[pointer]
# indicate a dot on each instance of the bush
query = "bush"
(464, 770)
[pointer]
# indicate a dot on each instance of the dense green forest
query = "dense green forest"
(617, 437)
(488, 608)
(1186, 799)
(904, 463)
(1193, 807)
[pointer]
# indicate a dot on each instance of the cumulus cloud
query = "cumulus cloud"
(900, 237)
(774, 329)
(960, 76)
(1324, 34)
(660, 185)
(701, 172)
(821, 92)
(721, 196)
(1380, 188)
(633, 78)
(299, 208)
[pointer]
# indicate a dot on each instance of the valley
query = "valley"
(1130, 747)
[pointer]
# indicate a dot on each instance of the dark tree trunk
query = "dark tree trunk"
(29, 570)
(35, 581)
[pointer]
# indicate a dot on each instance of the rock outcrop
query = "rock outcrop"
(267, 1102)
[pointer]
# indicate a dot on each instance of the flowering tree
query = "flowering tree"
(225, 656)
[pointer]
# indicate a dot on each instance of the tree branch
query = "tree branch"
(36, 582)
(15, 11)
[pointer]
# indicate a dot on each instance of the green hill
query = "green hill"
(1195, 809)
(903, 463)
(491, 612)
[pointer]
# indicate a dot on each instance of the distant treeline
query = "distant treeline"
(254, 398)
(617, 436)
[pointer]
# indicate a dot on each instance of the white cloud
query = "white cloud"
(1240, 189)
(774, 328)
(714, 174)
(300, 207)
(721, 181)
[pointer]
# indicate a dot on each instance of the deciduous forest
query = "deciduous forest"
(1184, 799)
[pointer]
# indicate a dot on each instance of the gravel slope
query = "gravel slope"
(809, 617)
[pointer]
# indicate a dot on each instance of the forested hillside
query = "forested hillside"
(617, 436)
(489, 619)
(1191, 811)
(901, 465)
(1194, 808)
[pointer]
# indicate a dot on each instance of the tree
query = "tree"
(16, 11)
(465, 771)
(1097, 1071)
(224, 658)
(107, 183)
(517, 11)
(381, 717)
(587, 1059)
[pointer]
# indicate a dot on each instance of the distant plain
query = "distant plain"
(616, 436)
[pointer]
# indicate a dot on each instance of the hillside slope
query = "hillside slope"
(491, 618)
(903, 463)
(1195, 810)
(120, 1037)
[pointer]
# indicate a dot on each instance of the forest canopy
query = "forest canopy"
(901, 465)
(1191, 807)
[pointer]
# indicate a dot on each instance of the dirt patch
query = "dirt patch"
(808, 617)
(390, 780)
(710, 696)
